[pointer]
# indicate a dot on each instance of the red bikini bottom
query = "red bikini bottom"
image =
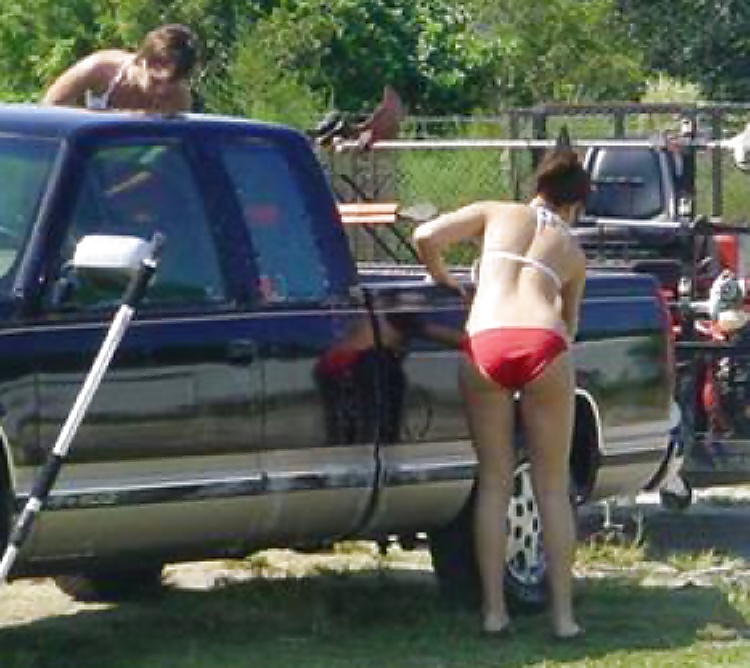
(514, 356)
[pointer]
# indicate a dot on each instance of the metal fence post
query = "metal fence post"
(717, 194)
(539, 130)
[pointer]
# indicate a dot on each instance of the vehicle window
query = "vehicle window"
(141, 189)
(25, 167)
(280, 225)
(626, 183)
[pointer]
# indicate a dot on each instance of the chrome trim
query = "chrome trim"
(588, 397)
(256, 485)
(261, 484)
(409, 474)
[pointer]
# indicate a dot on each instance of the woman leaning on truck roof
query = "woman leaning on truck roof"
(154, 79)
(521, 323)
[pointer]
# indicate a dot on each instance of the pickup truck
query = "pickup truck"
(643, 205)
(269, 392)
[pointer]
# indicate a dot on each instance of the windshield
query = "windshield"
(25, 167)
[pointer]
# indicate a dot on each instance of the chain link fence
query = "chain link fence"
(441, 178)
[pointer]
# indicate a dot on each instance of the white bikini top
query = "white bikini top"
(101, 102)
(544, 217)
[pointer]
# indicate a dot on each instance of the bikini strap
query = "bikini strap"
(529, 261)
(546, 217)
(115, 81)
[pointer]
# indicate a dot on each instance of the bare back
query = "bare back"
(513, 293)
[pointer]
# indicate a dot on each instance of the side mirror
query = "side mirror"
(109, 260)
(101, 268)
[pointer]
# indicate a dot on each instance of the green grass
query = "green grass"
(356, 609)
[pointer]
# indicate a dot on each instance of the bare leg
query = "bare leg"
(490, 413)
(547, 413)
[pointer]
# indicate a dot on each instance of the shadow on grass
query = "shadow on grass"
(375, 618)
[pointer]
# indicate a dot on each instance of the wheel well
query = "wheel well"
(584, 456)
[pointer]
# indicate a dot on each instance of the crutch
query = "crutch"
(46, 479)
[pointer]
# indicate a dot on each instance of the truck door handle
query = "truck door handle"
(242, 351)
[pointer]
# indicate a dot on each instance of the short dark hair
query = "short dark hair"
(174, 41)
(561, 179)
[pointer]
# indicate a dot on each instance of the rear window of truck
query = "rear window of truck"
(278, 221)
(625, 183)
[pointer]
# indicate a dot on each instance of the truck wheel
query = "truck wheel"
(454, 562)
(525, 564)
(112, 586)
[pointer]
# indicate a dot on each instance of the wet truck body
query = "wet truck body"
(269, 392)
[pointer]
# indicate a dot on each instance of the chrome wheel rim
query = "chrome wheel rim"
(525, 561)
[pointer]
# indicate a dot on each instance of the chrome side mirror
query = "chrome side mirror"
(109, 258)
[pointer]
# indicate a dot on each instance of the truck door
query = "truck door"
(178, 417)
(317, 347)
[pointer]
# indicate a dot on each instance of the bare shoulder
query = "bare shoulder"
(504, 212)
(104, 64)
(113, 56)
(505, 209)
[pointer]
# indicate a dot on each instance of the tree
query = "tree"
(704, 42)
(279, 57)
(38, 39)
(345, 51)
(566, 50)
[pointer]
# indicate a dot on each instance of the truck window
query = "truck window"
(140, 189)
(25, 165)
(625, 183)
(278, 221)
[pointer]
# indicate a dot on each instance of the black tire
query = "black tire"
(112, 585)
(454, 559)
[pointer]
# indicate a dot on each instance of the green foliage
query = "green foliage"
(347, 50)
(666, 89)
(287, 58)
(39, 38)
(564, 50)
(705, 42)
(254, 85)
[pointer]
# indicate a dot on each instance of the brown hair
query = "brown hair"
(175, 42)
(561, 179)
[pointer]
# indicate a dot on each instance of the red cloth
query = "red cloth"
(514, 356)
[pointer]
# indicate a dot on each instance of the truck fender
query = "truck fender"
(585, 455)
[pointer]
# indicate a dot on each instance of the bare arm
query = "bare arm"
(70, 87)
(432, 237)
(572, 294)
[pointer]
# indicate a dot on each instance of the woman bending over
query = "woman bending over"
(521, 324)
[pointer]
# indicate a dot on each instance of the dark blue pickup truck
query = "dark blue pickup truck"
(269, 391)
